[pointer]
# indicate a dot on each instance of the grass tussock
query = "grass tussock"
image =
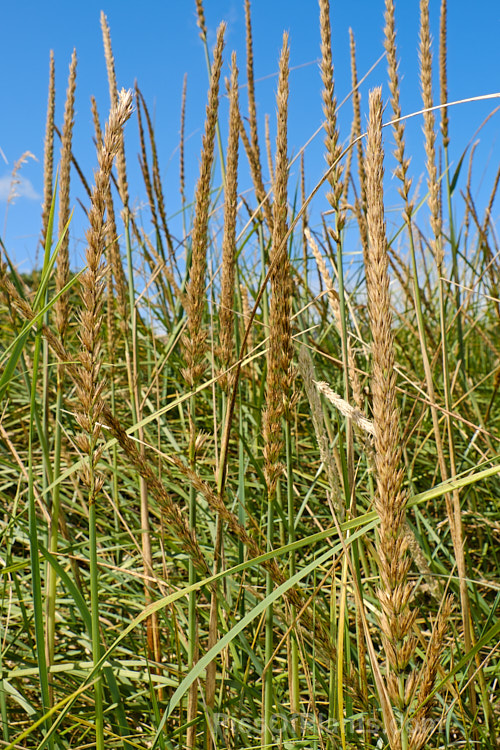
(250, 492)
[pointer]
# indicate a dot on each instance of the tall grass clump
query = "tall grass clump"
(250, 487)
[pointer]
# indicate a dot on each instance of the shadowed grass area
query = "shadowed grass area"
(250, 490)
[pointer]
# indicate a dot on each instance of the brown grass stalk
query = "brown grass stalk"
(359, 200)
(252, 109)
(91, 385)
(264, 204)
(245, 321)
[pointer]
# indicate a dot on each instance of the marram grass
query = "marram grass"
(250, 493)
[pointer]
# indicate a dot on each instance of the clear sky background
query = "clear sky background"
(157, 42)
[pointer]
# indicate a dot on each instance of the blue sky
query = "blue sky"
(157, 42)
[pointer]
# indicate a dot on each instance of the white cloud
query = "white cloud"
(23, 189)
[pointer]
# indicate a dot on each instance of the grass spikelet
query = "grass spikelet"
(194, 341)
(421, 729)
(333, 148)
(395, 593)
(280, 348)
(425, 56)
(356, 121)
(202, 24)
(443, 73)
(252, 109)
(252, 144)
(182, 173)
(246, 313)
(97, 123)
(304, 214)
(90, 389)
(333, 297)
(398, 127)
(61, 307)
(116, 277)
(152, 183)
(226, 313)
(48, 153)
(157, 186)
(357, 416)
(121, 165)
(269, 152)
(454, 506)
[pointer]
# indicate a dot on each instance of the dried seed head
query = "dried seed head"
(61, 306)
(48, 159)
(202, 24)
(390, 500)
(403, 163)
(443, 75)
(90, 385)
(345, 408)
(194, 341)
(332, 145)
(226, 314)
(280, 351)
(425, 56)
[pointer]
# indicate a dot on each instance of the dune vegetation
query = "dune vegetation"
(250, 493)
